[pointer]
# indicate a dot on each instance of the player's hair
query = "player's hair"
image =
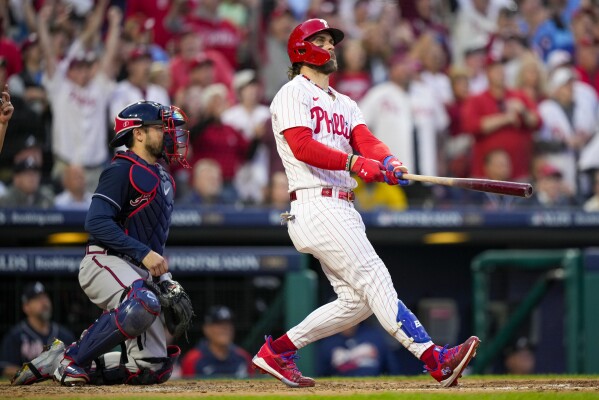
(294, 70)
(130, 139)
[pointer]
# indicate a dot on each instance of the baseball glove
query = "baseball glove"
(176, 306)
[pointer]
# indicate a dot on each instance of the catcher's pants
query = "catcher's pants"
(104, 278)
(331, 230)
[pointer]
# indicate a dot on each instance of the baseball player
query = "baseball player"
(123, 271)
(319, 132)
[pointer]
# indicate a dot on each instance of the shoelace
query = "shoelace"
(290, 361)
(449, 352)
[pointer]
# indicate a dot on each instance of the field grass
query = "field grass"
(533, 387)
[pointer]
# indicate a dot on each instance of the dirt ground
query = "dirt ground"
(50, 390)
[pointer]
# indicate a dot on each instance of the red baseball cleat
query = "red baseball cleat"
(281, 366)
(451, 362)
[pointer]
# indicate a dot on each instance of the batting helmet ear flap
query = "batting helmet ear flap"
(311, 54)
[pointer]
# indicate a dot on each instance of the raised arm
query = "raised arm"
(107, 65)
(45, 41)
(94, 22)
(6, 110)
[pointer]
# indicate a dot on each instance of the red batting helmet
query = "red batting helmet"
(300, 50)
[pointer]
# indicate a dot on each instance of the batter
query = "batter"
(319, 133)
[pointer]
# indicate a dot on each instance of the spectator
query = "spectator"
(520, 358)
(74, 196)
(216, 34)
(592, 204)
(501, 118)
(211, 138)
(567, 126)
(554, 32)
(458, 145)
(217, 356)
(207, 184)
(137, 86)
(80, 94)
(201, 75)
(531, 77)
(26, 190)
(152, 12)
(474, 23)
(26, 340)
(277, 195)
(352, 77)
(434, 62)
(587, 62)
(280, 25)
(357, 351)
(550, 191)
(474, 64)
(248, 117)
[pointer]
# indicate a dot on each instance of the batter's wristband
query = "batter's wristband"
(350, 157)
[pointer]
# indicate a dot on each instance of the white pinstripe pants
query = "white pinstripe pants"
(331, 230)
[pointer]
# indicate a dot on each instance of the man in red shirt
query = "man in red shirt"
(501, 118)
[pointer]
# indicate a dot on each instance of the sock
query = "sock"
(282, 344)
(428, 358)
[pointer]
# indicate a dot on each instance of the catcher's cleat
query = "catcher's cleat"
(281, 366)
(70, 374)
(40, 368)
(451, 362)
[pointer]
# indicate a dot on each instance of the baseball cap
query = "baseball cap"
(83, 58)
(560, 77)
(200, 60)
(244, 78)
(32, 290)
(547, 170)
(558, 58)
(139, 52)
(27, 164)
(31, 40)
(217, 314)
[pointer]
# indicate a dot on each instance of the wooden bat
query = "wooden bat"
(481, 185)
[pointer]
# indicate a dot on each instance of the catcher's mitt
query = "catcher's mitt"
(176, 306)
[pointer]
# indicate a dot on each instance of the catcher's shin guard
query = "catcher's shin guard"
(128, 321)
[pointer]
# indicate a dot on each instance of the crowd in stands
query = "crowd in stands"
(500, 89)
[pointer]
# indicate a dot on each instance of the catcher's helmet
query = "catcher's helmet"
(300, 50)
(146, 113)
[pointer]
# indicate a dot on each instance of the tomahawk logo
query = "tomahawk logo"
(140, 199)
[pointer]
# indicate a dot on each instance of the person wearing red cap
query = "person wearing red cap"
(501, 118)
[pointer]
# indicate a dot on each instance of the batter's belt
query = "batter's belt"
(306, 194)
(95, 249)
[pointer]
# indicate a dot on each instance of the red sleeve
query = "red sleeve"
(367, 144)
(314, 153)
(531, 106)
(188, 364)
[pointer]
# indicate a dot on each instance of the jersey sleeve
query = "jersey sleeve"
(357, 116)
(102, 217)
(290, 108)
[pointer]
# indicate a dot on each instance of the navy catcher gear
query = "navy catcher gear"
(128, 321)
(146, 113)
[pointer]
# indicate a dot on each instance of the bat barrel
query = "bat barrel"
(499, 187)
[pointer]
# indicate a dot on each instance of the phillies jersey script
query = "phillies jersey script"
(301, 103)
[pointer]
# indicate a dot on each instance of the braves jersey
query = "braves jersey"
(131, 209)
(300, 103)
(22, 343)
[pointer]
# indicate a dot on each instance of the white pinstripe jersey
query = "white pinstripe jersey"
(301, 103)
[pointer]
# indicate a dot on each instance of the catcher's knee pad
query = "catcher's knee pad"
(139, 311)
(128, 321)
(111, 370)
(410, 325)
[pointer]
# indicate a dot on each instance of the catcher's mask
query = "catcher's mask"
(146, 113)
(299, 49)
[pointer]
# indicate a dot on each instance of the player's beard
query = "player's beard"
(329, 67)
(155, 149)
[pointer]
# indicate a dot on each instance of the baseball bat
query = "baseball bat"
(481, 185)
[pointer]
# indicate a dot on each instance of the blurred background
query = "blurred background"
(498, 89)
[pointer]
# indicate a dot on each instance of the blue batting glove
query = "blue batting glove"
(396, 168)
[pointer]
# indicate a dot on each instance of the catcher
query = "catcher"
(123, 271)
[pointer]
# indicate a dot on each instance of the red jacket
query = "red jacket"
(517, 141)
